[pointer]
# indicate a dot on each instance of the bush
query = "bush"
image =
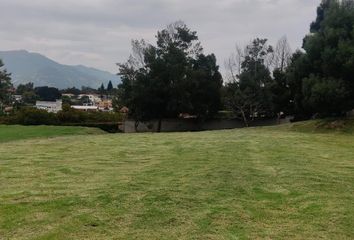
(68, 117)
(33, 116)
(74, 116)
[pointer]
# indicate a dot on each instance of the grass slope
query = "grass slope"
(261, 183)
(325, 126)
(12, 132)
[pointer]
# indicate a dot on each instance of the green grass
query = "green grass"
(325, 126)
(13, 132)
(260, 183)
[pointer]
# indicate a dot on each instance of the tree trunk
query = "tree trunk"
(136, 125)
(159, 125)
(244, 118)
(278, 118)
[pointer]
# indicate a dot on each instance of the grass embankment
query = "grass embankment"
(15, 132)
(260, 183)
(325, 126)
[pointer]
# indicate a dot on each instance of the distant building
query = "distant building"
(94, 98)
(18, 98)
(85, 108)
(70, 95)
(105, 105)
(53, 107)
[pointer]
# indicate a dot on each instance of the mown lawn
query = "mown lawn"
(260, 183)
(13, 132)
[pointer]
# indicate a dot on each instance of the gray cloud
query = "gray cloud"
(98, 32)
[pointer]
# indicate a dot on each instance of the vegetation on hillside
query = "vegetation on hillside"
(322, 76)
(336, 125)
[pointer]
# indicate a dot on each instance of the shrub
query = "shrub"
(33, 116)
(74, 116)
(68, 117)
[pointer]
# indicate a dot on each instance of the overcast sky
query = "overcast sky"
(97, 33)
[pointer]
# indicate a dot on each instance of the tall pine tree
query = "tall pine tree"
(109, 86)
(171, 78)
(323, 75)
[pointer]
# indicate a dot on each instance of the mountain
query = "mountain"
(33, 67)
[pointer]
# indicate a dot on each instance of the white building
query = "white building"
(53, 107)
(85, 108)
(18, 98)
(70, 95)
(94, 98)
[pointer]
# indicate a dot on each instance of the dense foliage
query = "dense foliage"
(5, 87)
(316, 82)
(33, 116)
(322, 77)
(47, 93)
(171, 78)
(254, 92)
(29, 96)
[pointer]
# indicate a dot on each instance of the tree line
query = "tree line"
(174, 76)
(169, 78)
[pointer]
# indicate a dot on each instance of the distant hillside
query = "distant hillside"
(42, 71)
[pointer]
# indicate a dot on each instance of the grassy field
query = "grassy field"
(259, 183)
(13, 132)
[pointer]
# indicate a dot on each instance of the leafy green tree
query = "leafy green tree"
(206, 81)
(250, 95)
(296, 71)
(321, 11)
(47, 93)
(29, 97)
(324, 95)
(237, 101)
(281, 94)
(88, 90)
(22, 88)
(5, 87)
(28, 93)
(322, 77)
(280, 88)
(170, 78)
(72, 90)
(117, 102)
